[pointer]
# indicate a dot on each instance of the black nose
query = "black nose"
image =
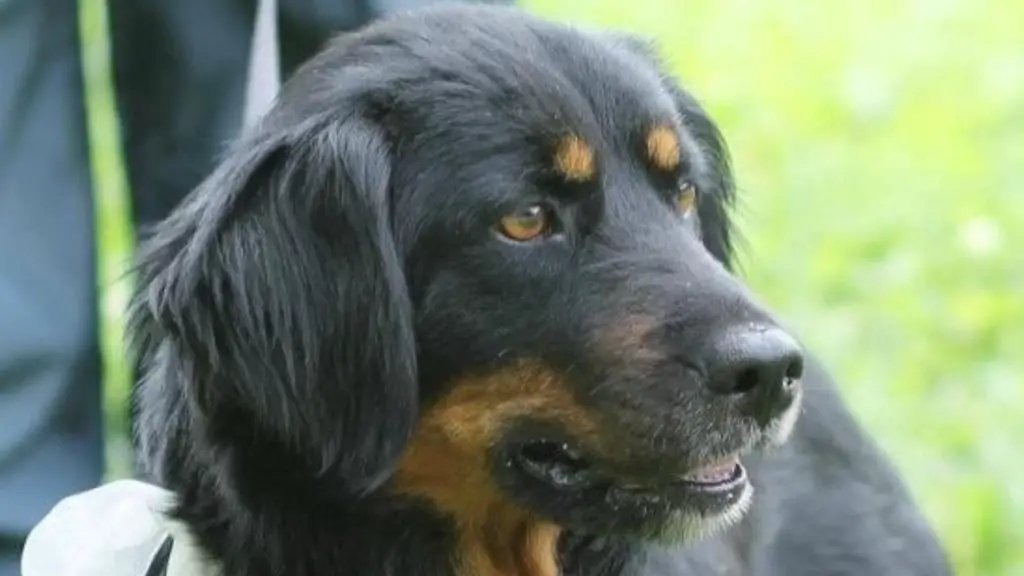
(759, 364)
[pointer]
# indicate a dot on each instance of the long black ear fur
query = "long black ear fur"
(273, 305)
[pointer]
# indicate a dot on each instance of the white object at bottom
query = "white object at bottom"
(112, 530)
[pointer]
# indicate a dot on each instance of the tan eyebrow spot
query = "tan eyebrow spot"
(663, 147)
(574, 159)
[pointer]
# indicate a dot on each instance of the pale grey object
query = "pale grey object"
(264, 63)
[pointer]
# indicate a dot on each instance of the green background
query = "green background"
(879, 146)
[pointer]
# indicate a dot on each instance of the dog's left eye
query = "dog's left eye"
(527, 223)
(685, 199)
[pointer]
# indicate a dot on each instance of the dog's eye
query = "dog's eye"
(526, 224)
(685, 199)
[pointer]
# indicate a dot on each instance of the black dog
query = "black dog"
(461, 305)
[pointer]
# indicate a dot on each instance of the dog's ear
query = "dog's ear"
(275, 297)
(719, 197)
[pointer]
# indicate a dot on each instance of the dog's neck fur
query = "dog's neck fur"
(280, 532)
(255, 521)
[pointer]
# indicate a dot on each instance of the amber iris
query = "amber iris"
(685, 199)
(526, 224)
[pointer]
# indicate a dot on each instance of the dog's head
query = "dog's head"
(476, 262)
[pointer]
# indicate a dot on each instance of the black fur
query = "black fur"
(338, 271)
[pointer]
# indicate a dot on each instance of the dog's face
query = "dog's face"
(477, 262)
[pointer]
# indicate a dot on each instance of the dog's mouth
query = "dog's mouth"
(555, 463)
(707, 489)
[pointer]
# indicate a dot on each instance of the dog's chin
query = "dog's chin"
(557, 483)
(689, 517)
(684, 525)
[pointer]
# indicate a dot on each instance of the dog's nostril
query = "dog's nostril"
(795, 371)
(743, 361)
(746, 381)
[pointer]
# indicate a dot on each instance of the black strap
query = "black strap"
(158, 567)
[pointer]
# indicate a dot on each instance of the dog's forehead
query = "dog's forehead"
(583, 85)
(576, 95)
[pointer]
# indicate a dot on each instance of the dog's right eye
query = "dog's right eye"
(528, 223)
(685, 199)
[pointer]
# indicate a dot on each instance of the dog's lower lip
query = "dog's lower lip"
(561, 466)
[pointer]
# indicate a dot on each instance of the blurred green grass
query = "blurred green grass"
(879, 146)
